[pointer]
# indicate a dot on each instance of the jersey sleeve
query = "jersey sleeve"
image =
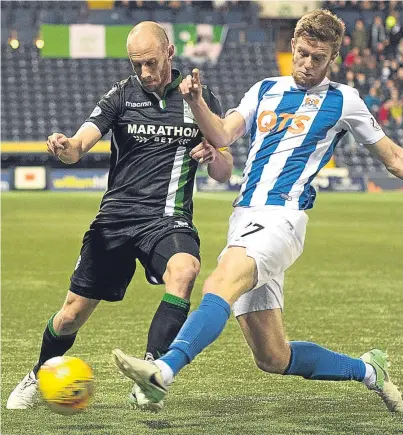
(359, 121)
(213, 102)
(215, 106)
(107, 110)
(248, 106)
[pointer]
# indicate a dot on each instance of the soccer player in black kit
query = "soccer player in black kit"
(146, 212)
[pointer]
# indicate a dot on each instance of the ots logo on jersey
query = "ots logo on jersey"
(268, 122)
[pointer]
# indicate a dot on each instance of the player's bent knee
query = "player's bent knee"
(184, 271)
(272, 363)
(181, 275)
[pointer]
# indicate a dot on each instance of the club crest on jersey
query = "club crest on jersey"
(312, 101)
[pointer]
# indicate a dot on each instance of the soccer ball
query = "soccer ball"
(66, 384)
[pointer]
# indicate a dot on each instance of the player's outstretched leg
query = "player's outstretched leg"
(264, 333)
(178, 273)
(58, 338)
(233, 276)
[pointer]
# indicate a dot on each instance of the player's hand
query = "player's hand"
(204, 152)
(191, 88)
(57, 143)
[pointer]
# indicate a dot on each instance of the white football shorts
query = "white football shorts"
(274, 237)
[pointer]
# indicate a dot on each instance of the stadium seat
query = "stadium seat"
(49, 16)
(368, 17)
(99, 16)
(139, 15)
(165, 15)
(209, 17)
(234, 17)
(349, 17)
(185, 15)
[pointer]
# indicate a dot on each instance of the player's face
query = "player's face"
(310, 61)
(152, 65)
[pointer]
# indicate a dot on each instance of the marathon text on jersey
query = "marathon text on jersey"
(162, 130)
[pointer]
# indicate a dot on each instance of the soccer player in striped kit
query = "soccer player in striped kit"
(294, 122)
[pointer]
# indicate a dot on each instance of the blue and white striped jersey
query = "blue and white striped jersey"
(293, 134)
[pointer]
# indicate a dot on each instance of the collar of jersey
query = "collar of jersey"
(324, 82)
(174, 84)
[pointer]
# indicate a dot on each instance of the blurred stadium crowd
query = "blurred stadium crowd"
(371, 59)
(41, 95)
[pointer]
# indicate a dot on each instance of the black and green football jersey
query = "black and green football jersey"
(151, 173)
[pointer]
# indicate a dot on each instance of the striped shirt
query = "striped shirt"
(293, 133)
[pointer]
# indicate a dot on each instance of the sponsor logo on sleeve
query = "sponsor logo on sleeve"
(96, 112)
(375, 125)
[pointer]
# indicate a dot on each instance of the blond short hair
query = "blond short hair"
(323, 26)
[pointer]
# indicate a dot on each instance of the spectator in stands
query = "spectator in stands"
(351, 57)
(361, 83)
(396, 108)
(394, 66)
(378, 86)
(358, 66)
(372, 101)
(345, 47)
(385, 71)
(336, 75)
(388, 88)
(175, 4)
(399, 80)
(377, 33)
(372, 71)
(360, 36)
(350, 79)
(368, 58)
(366, 5)
(399, 55)
(381, 5)
(379, 53)
(383, 114)
(395, 5)
(395, 34)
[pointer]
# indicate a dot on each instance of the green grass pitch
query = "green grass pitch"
(345, 293)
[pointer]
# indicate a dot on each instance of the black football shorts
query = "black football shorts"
(105, 274)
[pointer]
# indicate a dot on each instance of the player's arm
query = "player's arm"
(219, 132)
(390, 154)
(70, 149)
(221, 168)
(220, 161)
(366, 131)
